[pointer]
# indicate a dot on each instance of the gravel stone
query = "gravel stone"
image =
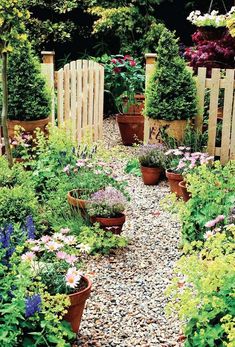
(126, 307)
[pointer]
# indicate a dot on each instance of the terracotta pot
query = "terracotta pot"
(174, 179)
(28, 125)
(174, 128)
(151, 175)
(138, 107)
(113, 224)
(76, 201)
(184, 192)
(78, 301)
(131, 128)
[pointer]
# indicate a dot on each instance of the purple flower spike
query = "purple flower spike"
(32, 305)
(30, 227)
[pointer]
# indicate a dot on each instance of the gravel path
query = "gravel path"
(126, 308)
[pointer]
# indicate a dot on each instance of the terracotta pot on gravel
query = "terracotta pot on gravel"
(174, 179)
(151, 175)
(184, 192)
(28, 125)
(112, 224)
(131, 127)
(78, 301)
(75, 201)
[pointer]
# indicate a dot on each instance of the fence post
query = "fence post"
(150, 64)
(47, 68)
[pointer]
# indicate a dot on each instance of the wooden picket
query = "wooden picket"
(227, 83)
(80, 93)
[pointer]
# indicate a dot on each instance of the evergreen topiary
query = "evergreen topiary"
(28, 95)
(171, 92)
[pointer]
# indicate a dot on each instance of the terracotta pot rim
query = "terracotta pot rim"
(151, 167)
(174, 175)
(74, 190)
(28, 121)
(88, 287)
(182, 184)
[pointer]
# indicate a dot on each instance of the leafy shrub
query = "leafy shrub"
(133, 167)
(171, 91)
(17, 203)
(202, 293)
(28, 96)
(213, 194)
(100, 241)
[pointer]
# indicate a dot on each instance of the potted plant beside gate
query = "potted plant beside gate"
(124, 79)
(29, 100)
(171, 92)
(151, 160)
(106, 207)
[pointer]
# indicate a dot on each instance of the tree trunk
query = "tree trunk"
(5, 109)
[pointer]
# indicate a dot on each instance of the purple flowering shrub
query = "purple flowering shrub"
(182, 161)
(108, 202)
(152, 156)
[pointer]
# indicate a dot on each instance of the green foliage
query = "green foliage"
(213, 194)
(133, 167)
(28, 96)
(202, 293)
(17, 203)
(134, 25)
(13, 16)
(99, 240)
(171, 92)
(124, 77)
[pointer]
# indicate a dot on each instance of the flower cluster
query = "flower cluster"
(108, 202)
(120, 62)
(152, 156)
(183, 161)
(210, 19)
(55, 252)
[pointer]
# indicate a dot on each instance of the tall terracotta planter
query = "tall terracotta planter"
(75, 201)
(131, 127)
(184, 192)
(174, 128)
(151, 175)
(78, 301)
(174, 179)
(29, 126)
(138, 106)
(113, 224)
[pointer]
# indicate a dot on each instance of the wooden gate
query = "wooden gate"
(80, 93)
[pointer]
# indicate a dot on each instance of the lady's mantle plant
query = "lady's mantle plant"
(171, 92)
(108, 202)
(202, 293)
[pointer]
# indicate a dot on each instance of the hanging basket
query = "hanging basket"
(210, 33)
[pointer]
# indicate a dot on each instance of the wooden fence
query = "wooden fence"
(220, 82)
(80, 98)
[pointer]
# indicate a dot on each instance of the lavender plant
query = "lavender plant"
(108, 202)
(152, 156)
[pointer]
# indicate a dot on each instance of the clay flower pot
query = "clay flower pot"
(112, 224)
(75, 201)
(78, 301)
(151, 175)
(28, 125)
(174, 179)
(184, 192)
(131, 128)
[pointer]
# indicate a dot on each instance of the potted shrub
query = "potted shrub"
(55, 259)
(29, 100)
(106, 207)
(171, 92)
(124, 79)
(180, 162)
(152, 162)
